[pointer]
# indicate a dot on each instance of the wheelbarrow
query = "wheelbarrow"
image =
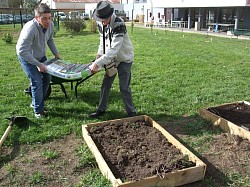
(18, 120)
(56, 80)
(62, 71)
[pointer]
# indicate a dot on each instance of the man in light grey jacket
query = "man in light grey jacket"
(115, 46)
(31, 52)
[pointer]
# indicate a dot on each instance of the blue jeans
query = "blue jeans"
(39, 83)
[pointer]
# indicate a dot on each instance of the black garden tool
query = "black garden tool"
(18, 120)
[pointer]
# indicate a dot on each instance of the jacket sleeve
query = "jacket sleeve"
(116, 44)
(24, 46)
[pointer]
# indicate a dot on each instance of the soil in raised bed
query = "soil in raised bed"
(237, 113)
(137, 150)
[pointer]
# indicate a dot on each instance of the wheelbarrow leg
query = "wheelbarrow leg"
(63, 89)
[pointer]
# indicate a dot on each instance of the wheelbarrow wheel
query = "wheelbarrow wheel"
(28, 91)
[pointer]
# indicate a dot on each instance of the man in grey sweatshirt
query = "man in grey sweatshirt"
(31, 52)
(118, 49)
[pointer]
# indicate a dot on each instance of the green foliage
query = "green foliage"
(74, 25)
(236, 179)
(94, 179)
(87, 158)
(8, 38)
(11, 169)
(30, 4)
(36, 178)
(92, 26)
(49, 154)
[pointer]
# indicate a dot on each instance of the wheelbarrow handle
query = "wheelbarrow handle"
(5, 135)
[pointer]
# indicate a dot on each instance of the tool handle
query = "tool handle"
(5, 135)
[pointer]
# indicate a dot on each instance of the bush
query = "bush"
(8, 38)
(74, 25)
(93, 26)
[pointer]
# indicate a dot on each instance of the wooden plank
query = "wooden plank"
(175, 178)
(224, 124)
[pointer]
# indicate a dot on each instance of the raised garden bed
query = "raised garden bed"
(230, 117)
(138, 152)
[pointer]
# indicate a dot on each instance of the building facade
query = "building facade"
(205, 12)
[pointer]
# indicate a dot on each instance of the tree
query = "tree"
(15, 3)
(30, 4)
(26, 4)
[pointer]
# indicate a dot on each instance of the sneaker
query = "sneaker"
(40, 115)
(32, 106)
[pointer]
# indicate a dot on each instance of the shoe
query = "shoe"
(97, 114)
(32, 106)
(40, 115)
(131, 114)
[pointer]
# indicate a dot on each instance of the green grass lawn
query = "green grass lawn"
(172, 76)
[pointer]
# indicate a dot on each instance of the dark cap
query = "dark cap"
(103, 10)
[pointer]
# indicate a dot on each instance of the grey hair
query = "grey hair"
(41, 8)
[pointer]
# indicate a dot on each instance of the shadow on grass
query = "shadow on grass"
(69, 34)
(89, 97)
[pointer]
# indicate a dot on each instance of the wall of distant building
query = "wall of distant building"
(246, 20)
(199, 3)
(137, 9)
(89, 8)
(71, 6)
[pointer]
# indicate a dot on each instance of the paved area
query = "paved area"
(202, 31)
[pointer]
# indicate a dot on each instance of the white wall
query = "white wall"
(51, 3)
(139, 9)
(73, 6)
(89, 8)
(199, 3)
(142, 9)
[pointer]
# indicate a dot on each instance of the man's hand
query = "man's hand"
(57, 56)
(42, 68)
(98, 56)
(94, 68)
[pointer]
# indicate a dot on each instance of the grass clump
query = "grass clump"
(8, 38)
(36, 178)
(50, 154)
(94, 179)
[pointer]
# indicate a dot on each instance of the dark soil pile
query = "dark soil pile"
(238, 113)
(137, 150)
